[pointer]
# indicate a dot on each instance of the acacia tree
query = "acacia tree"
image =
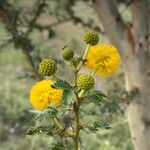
(133, 43)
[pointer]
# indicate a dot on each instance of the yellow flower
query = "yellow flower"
(104, 59)
(43, 94)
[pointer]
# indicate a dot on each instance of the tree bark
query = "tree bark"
(133, 44)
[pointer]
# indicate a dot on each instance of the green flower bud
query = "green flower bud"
(85, 82)
(91, 38)
(47, 67)
(67, 53)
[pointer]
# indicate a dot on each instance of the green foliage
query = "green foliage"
(68, 92)
(63, 85)
(49, 112)
(99, 124)
(67, 96)
(97, 97)
(58, 146)
(110, 107)
(50, 130)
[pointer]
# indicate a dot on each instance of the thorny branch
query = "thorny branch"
(9, 16)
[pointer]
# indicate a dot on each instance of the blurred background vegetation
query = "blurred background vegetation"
(42, 28)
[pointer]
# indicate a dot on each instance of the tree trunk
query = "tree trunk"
(133, 44)
(139, 108)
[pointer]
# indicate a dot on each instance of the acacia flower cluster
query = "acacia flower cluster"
(104, 59)
(56, 94)
(42, 94)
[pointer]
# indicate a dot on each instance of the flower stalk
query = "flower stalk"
(83, 58)
(81, 93)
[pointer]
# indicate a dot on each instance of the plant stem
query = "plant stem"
(77, 117)
(84, 57)
(77, 126)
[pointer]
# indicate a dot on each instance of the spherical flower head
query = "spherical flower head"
(91, 38)
(43, 94)
(48, 67)
(67, 53)
(104, 59)
(85, 82)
